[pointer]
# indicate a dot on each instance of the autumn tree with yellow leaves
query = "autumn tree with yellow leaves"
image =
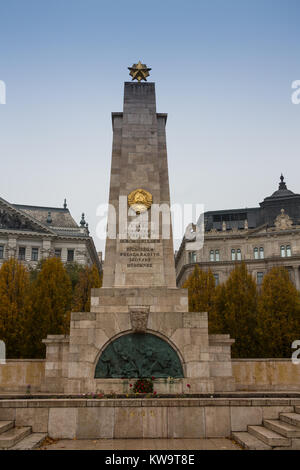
(51, 295)
(231, 307)
(15, 306)
(239, 317)
(88, 278)
(201, 290)
(278, 322)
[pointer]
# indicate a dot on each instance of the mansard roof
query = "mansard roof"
(266, 213)
(55, 221)
(60, 217)
(12, 219)
(282, 192)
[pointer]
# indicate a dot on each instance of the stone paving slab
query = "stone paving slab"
(143, 444)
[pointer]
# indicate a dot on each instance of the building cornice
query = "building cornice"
(24, 234)
(271, 260)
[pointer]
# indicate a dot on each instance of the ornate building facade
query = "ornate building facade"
(31, 233)
(262, 237)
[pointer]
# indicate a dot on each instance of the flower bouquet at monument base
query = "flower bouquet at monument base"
(143, 385)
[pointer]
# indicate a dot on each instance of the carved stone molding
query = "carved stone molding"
(139, 318)
(283, 221)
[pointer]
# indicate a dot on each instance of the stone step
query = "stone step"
(30, 442)
(246, 440)
(297, 409)
(269, 437)
(12, 436)
(290, 418)
(282, 428)
(5, 426)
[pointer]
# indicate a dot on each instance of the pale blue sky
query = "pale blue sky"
(223, 71)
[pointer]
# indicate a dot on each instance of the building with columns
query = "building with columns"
(31, 233)
(262, 237)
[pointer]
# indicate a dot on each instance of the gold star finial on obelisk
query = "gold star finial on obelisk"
(139, 71)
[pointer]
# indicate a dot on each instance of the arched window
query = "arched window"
(261, 252)
(282, 251)
(217, 255)
(217, 280)
(211, 255)
(288, 250)
(233, 255)
(255, 253)
(239, 254)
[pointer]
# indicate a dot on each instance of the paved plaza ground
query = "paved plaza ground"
(143, 444)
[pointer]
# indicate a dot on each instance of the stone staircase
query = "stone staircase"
(282, 433)
(18, 438)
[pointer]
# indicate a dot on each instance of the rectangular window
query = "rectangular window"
(70, 255)
(34, 254)
(22, 253)
(216, 276)
(259, 278)
(217, 255)
(1, 251)
(57, 252)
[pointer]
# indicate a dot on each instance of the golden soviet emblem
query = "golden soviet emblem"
(139, 71)
(140, 200)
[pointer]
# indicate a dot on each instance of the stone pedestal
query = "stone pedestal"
(206, 360)
(112, 316)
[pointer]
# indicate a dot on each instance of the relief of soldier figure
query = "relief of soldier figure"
(138, 355)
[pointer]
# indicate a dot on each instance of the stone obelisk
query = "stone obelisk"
(139, 161)
(139, 324)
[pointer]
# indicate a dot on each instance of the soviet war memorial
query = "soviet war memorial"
(185, 333)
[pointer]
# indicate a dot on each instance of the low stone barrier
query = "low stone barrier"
(143, 418)
(249, 374)
(17, 374)
(266, 374)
